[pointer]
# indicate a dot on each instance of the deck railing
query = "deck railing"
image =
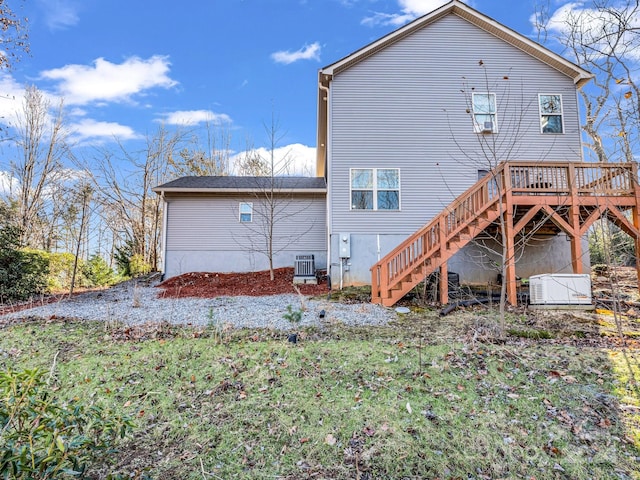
(517, 178)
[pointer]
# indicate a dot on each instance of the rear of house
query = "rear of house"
(226, 224)
(409, 122)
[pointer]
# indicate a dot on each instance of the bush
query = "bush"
(98, 272)
(609, 244)
(44, 439)
(23, 273)
(60, 270)
(137, 266)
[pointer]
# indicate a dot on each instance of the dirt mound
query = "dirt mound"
(254, 284)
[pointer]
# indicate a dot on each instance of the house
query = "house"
(428, 138)
(220, 224)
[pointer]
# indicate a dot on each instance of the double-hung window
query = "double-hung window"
(485, 117)
(246, 212)
(375, 189)
(550, 113)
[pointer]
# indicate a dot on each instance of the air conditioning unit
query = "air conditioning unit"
(304, 270)
(487, 127)
(560, 289)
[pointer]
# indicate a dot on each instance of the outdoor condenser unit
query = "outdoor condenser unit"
(560, 289)
(304, 270)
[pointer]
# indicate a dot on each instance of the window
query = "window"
(246, 212)
(551, 113)
(375, 189)
(484, 113)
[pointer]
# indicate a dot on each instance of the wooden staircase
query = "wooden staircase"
(569, 196)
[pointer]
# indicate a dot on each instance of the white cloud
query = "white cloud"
(195, 117)
(106, 81)
(88, 129)
(308, 52)
(409, 10)
(60, 14)
(295, 159)
(11, 99)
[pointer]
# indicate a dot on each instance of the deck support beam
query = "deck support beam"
(635, 214)
(509, 250)
(574, 220)
(444, 283)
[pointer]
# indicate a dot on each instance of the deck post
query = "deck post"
(444, 273)
(444, 283)
(375, 285)
(574, 212)
(635, 212)
(509, 249)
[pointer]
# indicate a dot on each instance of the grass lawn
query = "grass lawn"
(423, 398)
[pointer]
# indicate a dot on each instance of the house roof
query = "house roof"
(455, 7)
(232, 184)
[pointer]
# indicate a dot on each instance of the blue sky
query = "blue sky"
(124, 67)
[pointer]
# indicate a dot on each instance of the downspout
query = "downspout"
(165, 215)
(328, 196)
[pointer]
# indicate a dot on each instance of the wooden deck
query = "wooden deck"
(515, 197)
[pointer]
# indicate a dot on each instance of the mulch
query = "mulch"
(253, 284)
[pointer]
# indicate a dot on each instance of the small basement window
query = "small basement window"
(246, 212)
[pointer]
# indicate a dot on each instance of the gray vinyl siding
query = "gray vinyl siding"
(205, 230)
(403, 107)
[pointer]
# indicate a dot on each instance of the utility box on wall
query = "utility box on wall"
(560, 289)
(344, 245)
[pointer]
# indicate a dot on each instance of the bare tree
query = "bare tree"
(83, 195)
(208, 156)
(274, 200)
(124, 186)
(41, 142)
(602, 36)
(15, 39)
(499, 249)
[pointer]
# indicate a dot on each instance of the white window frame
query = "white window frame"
(545, 114)
(241, 212)
(478, 127)
(374, 189)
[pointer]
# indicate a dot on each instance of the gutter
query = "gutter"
(235, 190)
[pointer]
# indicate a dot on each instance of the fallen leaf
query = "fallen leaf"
(604, 423)
(330, 440)
(368, 431)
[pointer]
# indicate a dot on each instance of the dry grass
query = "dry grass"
(427, 397)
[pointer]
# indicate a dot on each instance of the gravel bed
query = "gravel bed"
(135, 304)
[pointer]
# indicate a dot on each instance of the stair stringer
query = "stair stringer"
(433, 262)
